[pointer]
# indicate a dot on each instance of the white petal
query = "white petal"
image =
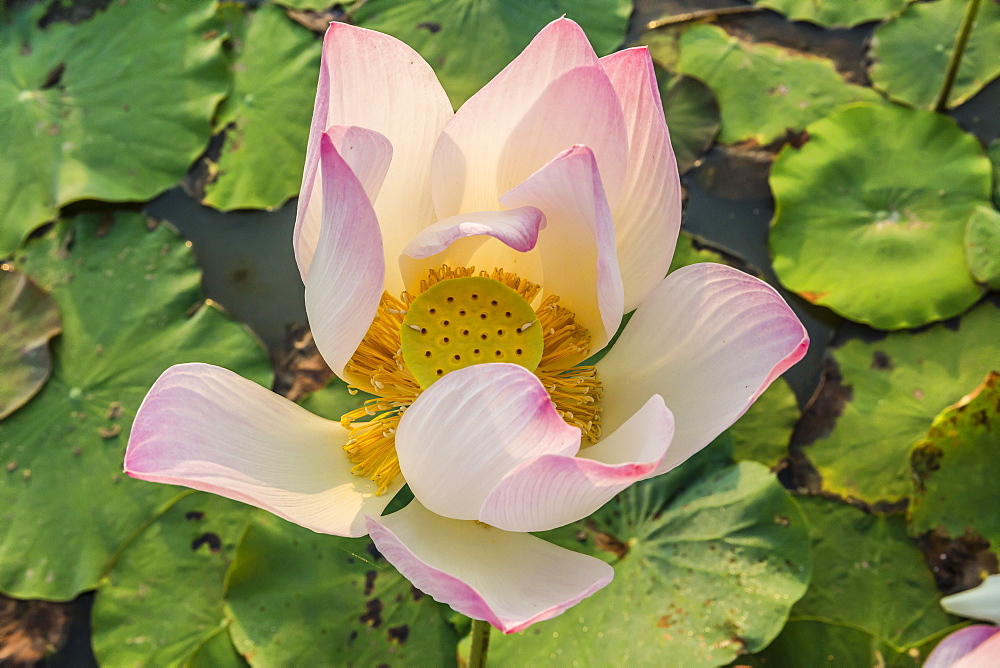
(648, 213)
(577, 246)
(708, 339)
(344, 283)
(471, 427)
(511, 580)
(554, 490)
(209, 429)
(980, 602)
(552, 96)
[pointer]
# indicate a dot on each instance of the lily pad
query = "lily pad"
(805, 642)
(764, 91)
(896, 388)
(910, 53)
(266, 117)
(693, 117)
(162, 599)
(115, 108)
(298, 598)
(699, 579)
(840, 213)
(131, 307)
(835, 13)
(955, 467)
(28, 319)
(468, 42)
(764, 431)
(982, 246)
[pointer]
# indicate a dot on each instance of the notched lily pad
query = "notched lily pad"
(835, 13)
(897, 387)
(955, 467)
(700, 578)
(982, 246)
(910, 53)
(468, 42)
(115, 108)
(28, 319)
(298, 598)
(131, 306)
(692, 115)
(764, 91)
(764, 431)
(840, 214)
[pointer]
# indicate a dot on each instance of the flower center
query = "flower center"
(464, 321)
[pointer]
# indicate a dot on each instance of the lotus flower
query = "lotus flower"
(976, 646)
(459, 267)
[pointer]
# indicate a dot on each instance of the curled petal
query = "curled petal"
(511, 580)
(472, 426)
(648, 212)
(554, 490)
(577, 245)
(980, 602)
(553, 95)
(210, 429)
(957, 649)
(371, 80)
(344, 283)
(708, 339)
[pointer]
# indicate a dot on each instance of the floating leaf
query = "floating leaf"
(162, 600)
(880, 246)
(764, 431)
(764, 91)
(468, 42)
(910, 53)
(126, 294)
(699, 579)
(955, 467)
(28, 319)
(266, 117)
(115, 108)
(982, 246)
(896, 388)
(835, 13)
(806, 642)
(298, 598)
(693, 116)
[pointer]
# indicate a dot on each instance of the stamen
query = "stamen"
(575, 393)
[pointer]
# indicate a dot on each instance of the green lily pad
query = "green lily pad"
(764, 91)
(28, 319)
(115, 108)
(910, 52)
(955, 467)
(266, 117)
(693, 117)
(764, 431)
(162, 599)
(840, 213)
(699, 579)
(868, 574)
(982, 246)
(468, 42)
(131, 307)
(217, 652)
(298, 598)
(806, 642)
(896, 387)
(835, 13)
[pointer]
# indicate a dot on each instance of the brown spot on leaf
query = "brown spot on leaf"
(208, 538)
(430, 26)
(416, 593)
(881, 361)
(373, 613)
(398, 634)
(114, 410)
(370, 582)
(107, 433)
(813, 297)
(194, 516)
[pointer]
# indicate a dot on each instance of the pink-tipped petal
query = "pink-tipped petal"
(961, 644)
(471, 427)
(344, 283)
(986, 655)
(553, 95)
(980, 602)
(554, 490)
(577, 247)
(210, 429)
(374, 81)
(368, 154)
(648, 212)
(708, 339)
(510, 580)
(457, 242)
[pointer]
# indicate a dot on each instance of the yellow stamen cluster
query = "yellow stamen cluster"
(574, 391)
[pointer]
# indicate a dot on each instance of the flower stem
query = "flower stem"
(971, 9)
(480, 643)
